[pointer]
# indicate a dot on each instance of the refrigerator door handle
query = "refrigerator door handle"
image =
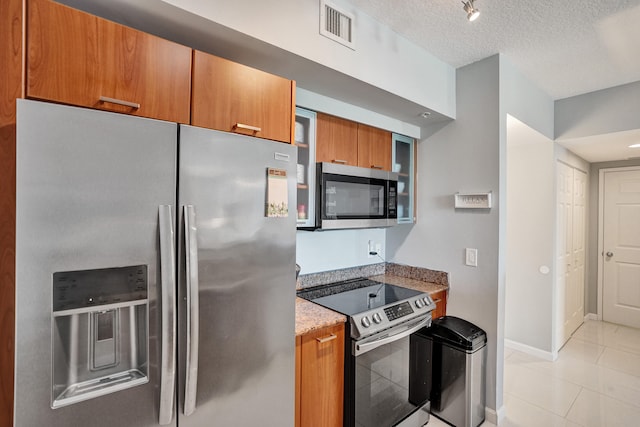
(168, 313)
(193, 309)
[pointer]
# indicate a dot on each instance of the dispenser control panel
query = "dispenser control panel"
(88, 288)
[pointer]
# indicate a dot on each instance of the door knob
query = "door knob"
(609, 254)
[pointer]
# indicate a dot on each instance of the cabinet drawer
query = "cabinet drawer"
(235, 98)
(79, 59)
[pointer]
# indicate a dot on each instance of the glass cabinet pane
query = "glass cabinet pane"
(403, 163)
(305, 140)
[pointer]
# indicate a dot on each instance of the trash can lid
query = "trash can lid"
(458, 333)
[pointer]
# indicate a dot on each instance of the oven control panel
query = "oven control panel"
(379, 319)
(400, 310)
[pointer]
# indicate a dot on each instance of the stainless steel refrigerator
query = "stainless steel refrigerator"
(155, 273)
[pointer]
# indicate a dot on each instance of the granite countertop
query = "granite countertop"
(310, 316)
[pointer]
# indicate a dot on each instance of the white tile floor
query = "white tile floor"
(594, 383)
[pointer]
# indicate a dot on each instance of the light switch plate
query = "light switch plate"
(471, 257)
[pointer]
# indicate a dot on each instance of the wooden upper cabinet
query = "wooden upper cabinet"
(79, 59)
(336, 140)
(235, 98)
(374, 148)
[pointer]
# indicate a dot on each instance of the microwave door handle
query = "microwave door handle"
(168, 315)
(193, 309)
(368, 346)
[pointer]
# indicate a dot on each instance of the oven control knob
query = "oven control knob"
(366, 322)
(419, 303)
(376, 318)
(426, 300)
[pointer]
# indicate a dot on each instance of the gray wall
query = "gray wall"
(533, 109)
(530, 237)
(463, 156)
(605, 111)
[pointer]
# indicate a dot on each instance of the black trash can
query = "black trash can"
(458, 371)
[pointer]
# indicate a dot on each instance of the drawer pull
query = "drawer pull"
(247, 127)
(376, 167)
(342, 162)
(327, 338)
(119, 102)
(438, 300)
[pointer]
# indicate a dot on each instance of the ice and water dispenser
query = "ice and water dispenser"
(100, 329)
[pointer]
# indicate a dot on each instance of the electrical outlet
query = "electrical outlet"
(370, 248)
(471, 257)
(379, 248)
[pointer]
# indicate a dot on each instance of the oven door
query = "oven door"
(393, 377)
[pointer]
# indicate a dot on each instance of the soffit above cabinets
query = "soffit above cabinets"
(167, 21)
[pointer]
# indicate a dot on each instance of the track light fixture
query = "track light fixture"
(472, 12)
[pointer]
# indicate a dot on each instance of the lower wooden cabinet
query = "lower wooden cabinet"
(440, 298)
(320, 377)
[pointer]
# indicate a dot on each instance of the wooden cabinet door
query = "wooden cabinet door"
(322, 373)
(336, 140)
(77, 58)
(298, 374)
(374, 148)
(235, 98)
(440, 298)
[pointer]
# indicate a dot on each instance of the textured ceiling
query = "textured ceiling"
(565, 47)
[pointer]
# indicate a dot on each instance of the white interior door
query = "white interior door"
(575, 286)
(621, 248)
(570, 247)
(563, 246)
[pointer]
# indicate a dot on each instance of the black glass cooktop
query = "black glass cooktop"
(357, 296)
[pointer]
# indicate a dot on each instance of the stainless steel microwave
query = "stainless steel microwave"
(354, 197)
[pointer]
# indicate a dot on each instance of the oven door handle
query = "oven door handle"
(408, 329)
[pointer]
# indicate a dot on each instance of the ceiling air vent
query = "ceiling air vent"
(336, 24)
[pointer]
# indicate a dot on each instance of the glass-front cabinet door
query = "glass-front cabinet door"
(305, 140)
(403, 162)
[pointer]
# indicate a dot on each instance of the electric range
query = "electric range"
(387, 379)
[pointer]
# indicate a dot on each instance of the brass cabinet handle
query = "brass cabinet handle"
(247, 127)
(342, 162)
(120, 102)
(327, 338)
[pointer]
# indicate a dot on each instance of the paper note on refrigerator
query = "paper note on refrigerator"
(277, 193)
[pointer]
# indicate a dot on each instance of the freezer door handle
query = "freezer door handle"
(193, 309)
(168, 313)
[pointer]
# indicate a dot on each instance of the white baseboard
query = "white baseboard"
(542, 354)
(495, 417)
(592, 316)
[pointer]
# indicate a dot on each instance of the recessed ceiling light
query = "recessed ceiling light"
(634, 146)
